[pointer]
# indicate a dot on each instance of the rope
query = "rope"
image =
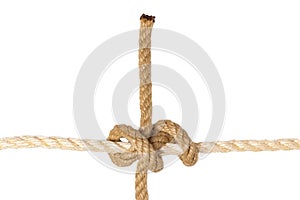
(146, 24)
(74, 144)
(145, 70)
(148, 144)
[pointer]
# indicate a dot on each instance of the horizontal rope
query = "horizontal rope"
(169, 149)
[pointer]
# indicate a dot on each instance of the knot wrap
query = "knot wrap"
(146, 150)
(141, 149)
(166, 131)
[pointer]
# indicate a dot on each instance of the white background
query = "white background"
(254, 44)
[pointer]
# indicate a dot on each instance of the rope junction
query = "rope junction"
(148, 144)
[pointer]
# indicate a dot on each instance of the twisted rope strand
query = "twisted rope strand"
(74, 144)
(141, 191)
(145, 70)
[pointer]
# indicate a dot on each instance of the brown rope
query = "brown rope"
(145, 99)
(149, 138)
(145, 70)
(146, 24)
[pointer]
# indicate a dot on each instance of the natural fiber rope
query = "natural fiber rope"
(148, 144)
(74, 144)
(145, 70)
(141, 192)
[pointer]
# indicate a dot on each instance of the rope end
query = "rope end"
(147, 18)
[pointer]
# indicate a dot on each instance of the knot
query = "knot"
(146, 142)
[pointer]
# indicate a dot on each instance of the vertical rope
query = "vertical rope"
(141, 192)
(145, 70)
